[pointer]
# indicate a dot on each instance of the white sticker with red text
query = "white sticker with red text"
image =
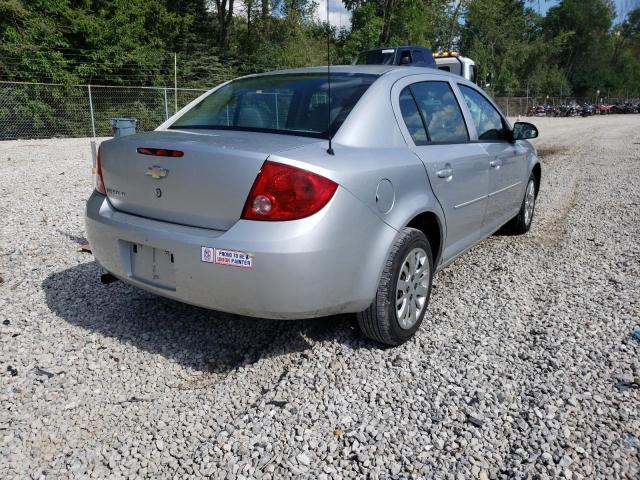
(231, 258)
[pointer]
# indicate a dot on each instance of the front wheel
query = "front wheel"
(521, 223)
(403, 292)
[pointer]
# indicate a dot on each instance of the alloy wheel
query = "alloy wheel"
(412, 288)
(529, 202)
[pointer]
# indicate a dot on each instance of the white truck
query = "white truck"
(420, 57)
(455, 63)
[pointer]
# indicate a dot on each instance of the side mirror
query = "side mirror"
(488, 80)
(524, 131)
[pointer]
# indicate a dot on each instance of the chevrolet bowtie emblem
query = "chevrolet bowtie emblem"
(157, 172)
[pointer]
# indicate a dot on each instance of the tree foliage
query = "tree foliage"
(577, 47)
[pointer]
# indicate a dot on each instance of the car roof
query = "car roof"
(356, 69)
(391, 73)
(378, 70)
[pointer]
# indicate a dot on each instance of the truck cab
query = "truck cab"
(406, 55)
(455, 63)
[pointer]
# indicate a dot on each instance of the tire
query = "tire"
(521, 223)
(382, 321)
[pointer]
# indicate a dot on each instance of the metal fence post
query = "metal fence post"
(166, 105)
(93, 122)
(94, 151)
(175, 82)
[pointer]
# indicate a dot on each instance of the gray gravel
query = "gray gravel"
(524, 368)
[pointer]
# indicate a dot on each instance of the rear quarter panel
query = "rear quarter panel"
(361, 171)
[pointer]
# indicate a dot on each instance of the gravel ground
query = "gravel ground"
(524, 368)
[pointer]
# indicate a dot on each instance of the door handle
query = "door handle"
(495, 164)
(445, 172)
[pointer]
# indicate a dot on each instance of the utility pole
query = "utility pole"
(175, 82)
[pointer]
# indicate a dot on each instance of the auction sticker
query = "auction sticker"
(231, 258)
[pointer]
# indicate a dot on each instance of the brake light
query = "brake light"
(98, 180)
(159, 152)
(282, 192)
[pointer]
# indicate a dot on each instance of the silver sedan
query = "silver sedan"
(239, 202)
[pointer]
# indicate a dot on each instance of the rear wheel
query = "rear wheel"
(521, 223)
(403, 292)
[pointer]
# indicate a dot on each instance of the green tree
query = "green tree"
(31, 42)
(377, 23)
(495, 34)
(576, 47)
(586, 59)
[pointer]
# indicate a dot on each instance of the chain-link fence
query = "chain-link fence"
(37, 110)
(42, 110)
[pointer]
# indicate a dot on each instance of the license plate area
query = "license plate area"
(154, 266)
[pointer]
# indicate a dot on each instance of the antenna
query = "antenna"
(330, 149)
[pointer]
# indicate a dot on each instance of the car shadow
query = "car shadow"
(195, 337)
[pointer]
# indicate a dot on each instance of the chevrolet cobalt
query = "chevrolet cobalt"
(239, 202)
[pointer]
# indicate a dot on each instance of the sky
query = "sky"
(338, 15)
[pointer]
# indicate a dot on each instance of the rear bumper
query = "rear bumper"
(325, 264)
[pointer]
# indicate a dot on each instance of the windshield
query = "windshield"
(289, 104)
(376, 57)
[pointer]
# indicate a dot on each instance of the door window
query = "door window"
(440, 112)
(405, 57)
(486, 118)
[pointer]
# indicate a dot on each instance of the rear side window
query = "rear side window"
(418, 57)
(486, 118)
(376, 57)
(412, 118)
(439, 111)
(291, 104)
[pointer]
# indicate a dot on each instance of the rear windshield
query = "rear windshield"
(376, 57)
(289, 104)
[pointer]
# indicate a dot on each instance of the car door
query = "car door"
(456, 167)
(507, 159)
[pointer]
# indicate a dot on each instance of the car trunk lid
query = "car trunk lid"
(205, 187)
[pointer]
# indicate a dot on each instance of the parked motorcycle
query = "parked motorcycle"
(588, 110)
(569, 110)
(551, 110)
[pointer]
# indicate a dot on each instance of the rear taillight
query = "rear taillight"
(98, 181)
(282, 192)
